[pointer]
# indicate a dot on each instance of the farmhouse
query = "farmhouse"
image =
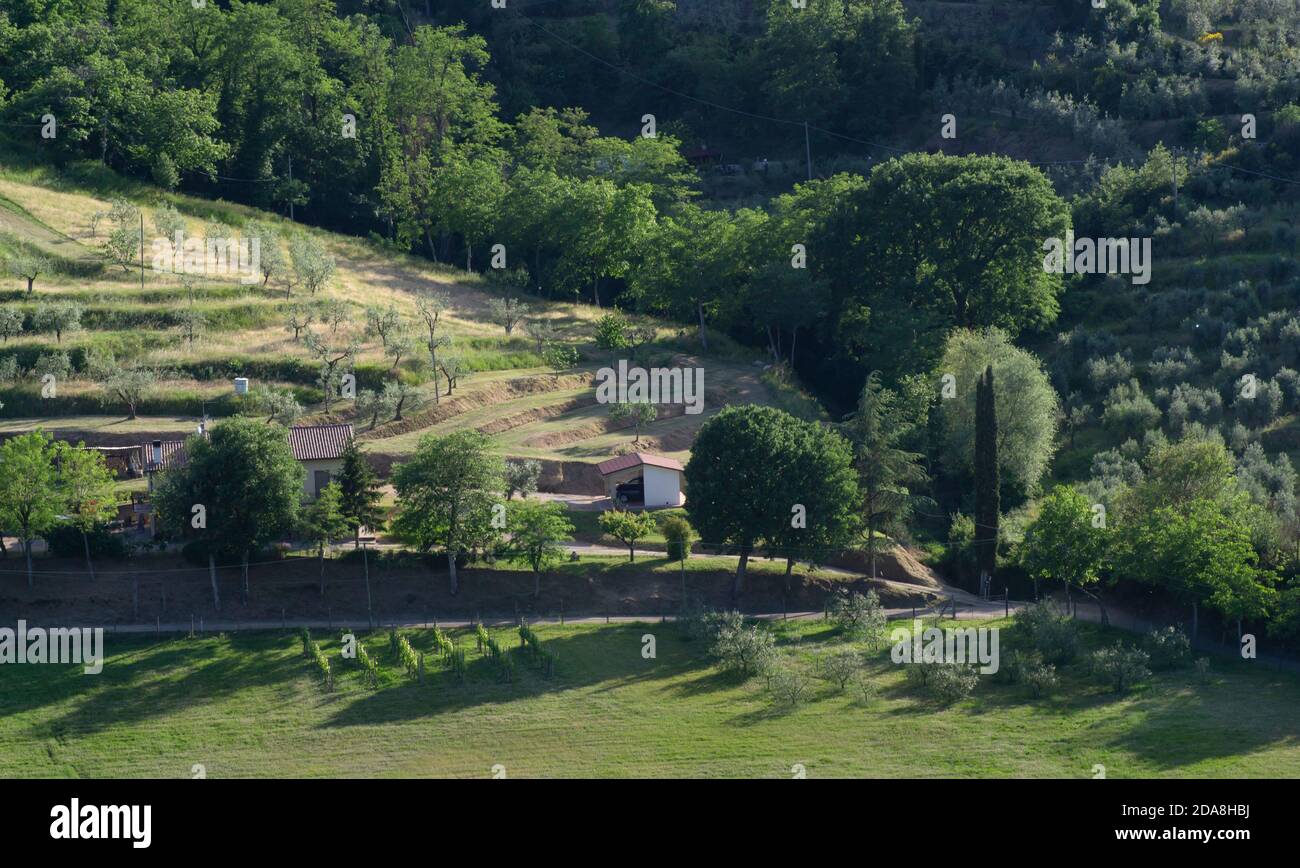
(642, 479)
(319, 448)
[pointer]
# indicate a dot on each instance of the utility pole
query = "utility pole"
(141, 250)
(807, 145)
(291, 186)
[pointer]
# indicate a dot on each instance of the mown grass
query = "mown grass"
(586, 527)
(247, 705)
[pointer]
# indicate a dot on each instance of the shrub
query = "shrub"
(839, 667)
(57, 364)
(1053, 635)
(369, 668)
(860, 616)
(1058, 643)
(918, 674)
(1015, 664)
(677, 531)
(692, 619)
(1120, 666)
(865, 690)
(745, 650)
(1168, 648)
(952, 681)
(1040, 678)
(787, 684)
(1128, 411)
(531, 646)
(65, 541)
(312, 651)
(443, 645)
(406, 655)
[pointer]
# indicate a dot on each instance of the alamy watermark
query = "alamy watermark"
(973, 645)
(209, 257)
(82, 645)
(1072, 255)
(103, 822)
(637, 385)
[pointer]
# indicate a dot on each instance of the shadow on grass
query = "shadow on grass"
(140, 683)
(604, 658)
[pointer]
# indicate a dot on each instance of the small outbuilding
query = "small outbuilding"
(640, 479)
(319, 449)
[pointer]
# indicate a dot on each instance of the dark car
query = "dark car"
(630, 492)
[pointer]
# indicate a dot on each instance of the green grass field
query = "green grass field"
(248, 705)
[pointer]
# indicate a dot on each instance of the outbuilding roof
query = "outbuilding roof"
(635, 459)
(173, 454)
(319, 442)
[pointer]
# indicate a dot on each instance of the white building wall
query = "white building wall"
(333, 466)
(662, 487)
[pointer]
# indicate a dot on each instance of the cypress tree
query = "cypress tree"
(987, 504)
(360, 492)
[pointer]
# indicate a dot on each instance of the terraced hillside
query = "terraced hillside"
(140, 317)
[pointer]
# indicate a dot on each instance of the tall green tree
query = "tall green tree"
(749, 484)
(950, 242)
(538, 531)
(988, 485)
(359, 492)
(446, 494)
(441, 111)
(817, 471)
(30, 497)
(1200, 552)
(1189, 529)
(627, 527)
(1064, 543)
(323, 522)
(1024, 401)
(86, 484)
(888, 475)
(607, 227)
(238, 489)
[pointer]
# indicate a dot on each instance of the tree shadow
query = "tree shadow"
(606, 659)
(139, 684)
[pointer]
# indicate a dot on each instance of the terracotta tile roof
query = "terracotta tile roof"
(173, 453)
(319, 442)
(634, 459)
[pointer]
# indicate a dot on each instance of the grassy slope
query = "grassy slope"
(246, 323)
(247, 706)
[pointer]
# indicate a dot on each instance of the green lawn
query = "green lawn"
(248, 705)
(586, 528)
